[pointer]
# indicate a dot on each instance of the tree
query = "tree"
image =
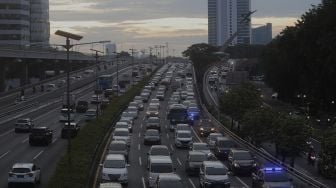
(327, 162)
(290, 136)
(238, 101)
(258, 124)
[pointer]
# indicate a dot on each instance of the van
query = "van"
(157, 165)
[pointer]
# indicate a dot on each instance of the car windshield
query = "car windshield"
(126, 114)
(159, 151)
(152, 133)
(120, 133)
(162, 168)
(215, 171)
(214, 136)
(184, 135)
(194, 109)
(117, 146)
(242, 156)
(38, 130)
(152, 108)
(183, 128)
(170, 184)
(153, 120)
(132, 109)
(121, 125)
(276, 177)
(201, 147)
(22, 121)
(226, 143)
(21, 170)
(198, 158)
(114, 164)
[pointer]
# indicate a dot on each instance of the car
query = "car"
(153, 123)
(223, 146)
(194, 161)
(118, 147)
(70, 130)
(64, 115)
(201, 147)
(152, 137)
(121, 124)
(182, 127)
(211, 139)
(145, 96)
(155, 102)
(158, 165)
(241, 162)
(128, 116)
(40, 135)
(183, 139)
(24, 173)
(108, 93)
(121, 134)
(110, 185)
(60, 83)
(272, 176)
(169, 181)
(140, 104)
(82, 106)
(50, 87)
(114, 169)
(160, 95)
(25, 124)
(134, 104)
(129, 123)
(213, 174)
(193, 112)
(91, 114)
(96, 99)
(133, 111)
(159, 150)
(205, 127)
(152, 111)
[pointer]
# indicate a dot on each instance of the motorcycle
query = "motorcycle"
(311, 158)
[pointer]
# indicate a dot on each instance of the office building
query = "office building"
(24, 22)
(110, 49)
(225, 19)
(262, 34)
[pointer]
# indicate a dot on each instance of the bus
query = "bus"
(105, 81)
(177, 114)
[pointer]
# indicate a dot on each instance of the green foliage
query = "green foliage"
(302, 58)
(258, 124)
(238, 101)
(327, 162)
(84, 145)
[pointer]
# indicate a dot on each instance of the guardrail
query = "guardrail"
(294, 172)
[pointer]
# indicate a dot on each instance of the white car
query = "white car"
(158, 165)
(212, 139)
(24, 173)
(114, 169)
(201, 147)
(122, 134)
(214, 173)
(183, 139)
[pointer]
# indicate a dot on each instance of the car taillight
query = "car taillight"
(10, 174)
(30, 174)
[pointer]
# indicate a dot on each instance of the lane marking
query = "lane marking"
(25, 140)
(3, 155)
(139, 147)
(139, 135)
(41, 116)
(143, 182)
(141, 125)
(192, 183)
(241, 181)
(6, 133)
(198, 138)
(178, 160)
(54, 140)
(171, 147)
(140, 161)
(167, 135)
(144, 118)
(36, 156)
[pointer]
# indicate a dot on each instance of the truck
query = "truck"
(72, 101)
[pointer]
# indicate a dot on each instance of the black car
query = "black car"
(194, 162)
(241, 162)
(206, 127)
(151, 137)
(82, 106)
(271, 177)
(223, 146)
(40, 136)
(70, 130)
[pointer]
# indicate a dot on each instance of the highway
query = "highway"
(15, 147)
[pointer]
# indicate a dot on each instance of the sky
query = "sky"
(142, 23)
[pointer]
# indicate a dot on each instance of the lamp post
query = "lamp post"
(98, 91)
(68, 46)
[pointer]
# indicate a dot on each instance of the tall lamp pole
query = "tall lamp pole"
(68, 46)
(97, 88)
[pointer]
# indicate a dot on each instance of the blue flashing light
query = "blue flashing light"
(273, 169)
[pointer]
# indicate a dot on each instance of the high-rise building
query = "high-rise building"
(225, 18)
(110, 49)
(262, 34)
(24, 22)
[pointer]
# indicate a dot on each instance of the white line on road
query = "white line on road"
(140, 161)
(171, 147)
(139, 147)
(54, 140)
(241, 181)
(144, 118)
(192, 183)
(198, 138)
(25, 140)
(143, 182)
(36, 156)
(178, 160)
(141, 125)
(167, 135)
(3, 155)
(139, 135)
(4, 134)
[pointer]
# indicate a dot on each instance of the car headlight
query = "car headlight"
(236, 165)
(212, 129)
(148, 113)
(156, 113)
(254, 164)
(202, 129)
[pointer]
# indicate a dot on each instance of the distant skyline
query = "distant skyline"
(143, 23)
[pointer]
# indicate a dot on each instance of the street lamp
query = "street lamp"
(97, 89)
(68, 46)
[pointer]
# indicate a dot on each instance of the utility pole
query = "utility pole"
(132, 52)
(150, 57)
(98, 90)
(156, 53)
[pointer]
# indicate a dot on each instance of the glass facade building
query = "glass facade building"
(262, 34)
